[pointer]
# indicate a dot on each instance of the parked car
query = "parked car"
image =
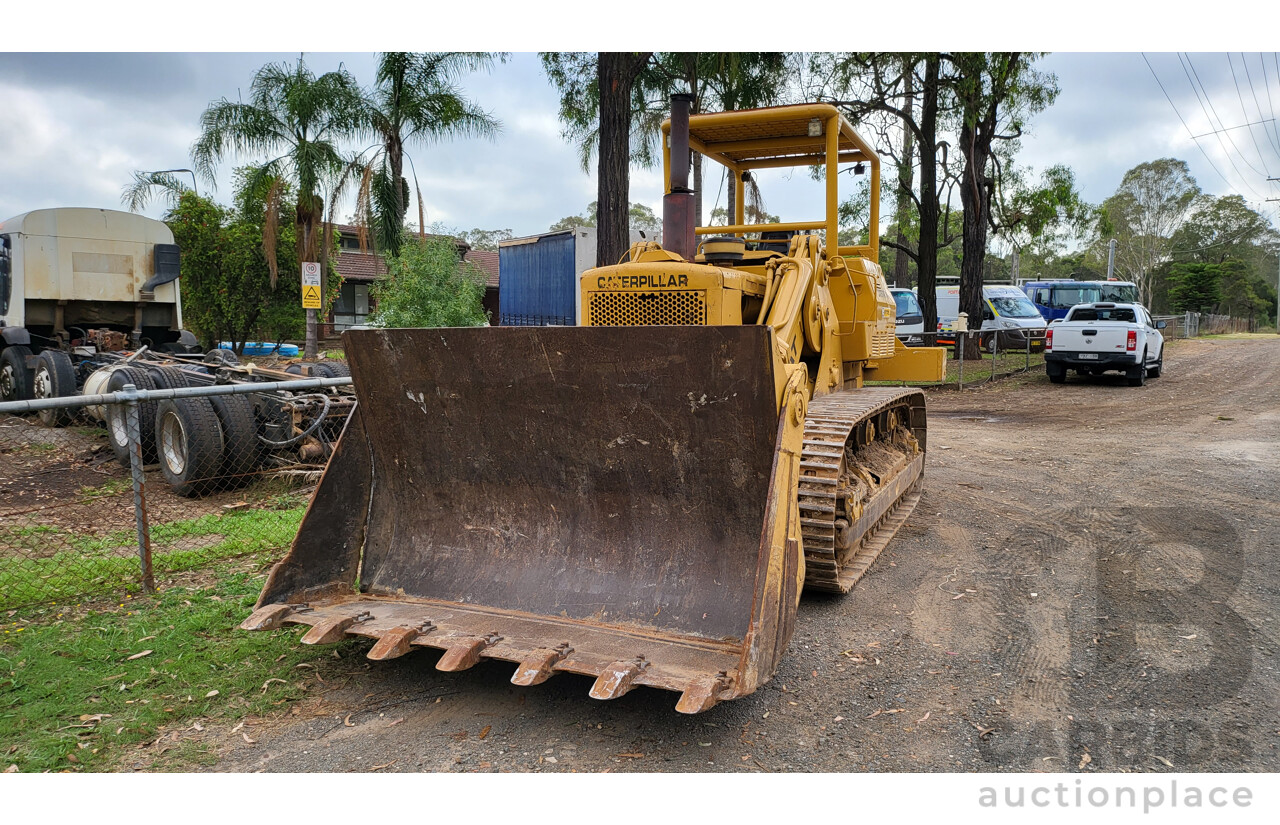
(910, 321)
(1009, 319)
(1104, 336)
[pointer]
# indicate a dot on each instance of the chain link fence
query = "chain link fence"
(166, 471)
(991, 354)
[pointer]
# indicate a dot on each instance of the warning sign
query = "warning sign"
(310, 285)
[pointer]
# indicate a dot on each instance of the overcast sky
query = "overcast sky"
(75, 126)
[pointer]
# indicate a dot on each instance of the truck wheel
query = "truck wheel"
(54, 378)
(166, 378)
(221, 357)
(240, 452)
(117, 418)
(1154, 370)
(1137, 374)
(15, 378)
(189, 444)
(1057, 374)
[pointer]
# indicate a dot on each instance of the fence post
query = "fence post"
(961, 347)
(130, 395)
(1027, 367)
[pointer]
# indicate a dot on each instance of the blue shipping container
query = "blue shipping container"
(538, 281)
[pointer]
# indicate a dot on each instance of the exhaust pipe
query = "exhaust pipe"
(677, 204)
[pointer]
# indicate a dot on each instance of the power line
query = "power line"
(1240, 97)
(1229, 128)
(1249, 77)
(1210, 118)
(1212, 165)
(1266, 84)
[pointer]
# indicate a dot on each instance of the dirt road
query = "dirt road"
(1089, 583)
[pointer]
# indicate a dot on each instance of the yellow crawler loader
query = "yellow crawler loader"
(640, 499)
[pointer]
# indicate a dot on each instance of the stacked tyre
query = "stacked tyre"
(203, 445)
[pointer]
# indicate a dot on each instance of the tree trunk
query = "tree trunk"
(733, 199)
(307, 252)
(927, 263)
(974, 238)
(616, 71)
(902, 261)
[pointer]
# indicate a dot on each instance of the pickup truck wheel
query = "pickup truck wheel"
(1057, 374)
(15, 378)
(1155, 369)
(54, 378)
(1137, 374)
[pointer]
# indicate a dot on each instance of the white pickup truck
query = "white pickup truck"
(1094, 338)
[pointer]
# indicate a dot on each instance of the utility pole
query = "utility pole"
(1273, 200)
(1111, 258)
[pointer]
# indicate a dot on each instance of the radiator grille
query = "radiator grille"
(882, 344)
(618, 309)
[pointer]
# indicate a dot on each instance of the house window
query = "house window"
(352, 306)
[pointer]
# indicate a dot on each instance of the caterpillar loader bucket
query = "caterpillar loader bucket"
(615, 502)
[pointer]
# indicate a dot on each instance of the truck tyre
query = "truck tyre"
(339, 369)
(117, 420)
(1155, 369)
(167, 378)
(1137, 374)
(1057, 373)
(15, 378)
(189, 444)
(240, 453)
(221, 357)
(54, 378)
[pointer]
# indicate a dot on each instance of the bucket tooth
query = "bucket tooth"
(332, 630)
(268, 617)
(397, 641)
(617, 678)
(703, 694)
(537, 667)
(464, 653)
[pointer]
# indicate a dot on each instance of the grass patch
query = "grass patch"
(1241, 336)
(70, 698)
(114, 487)
(85, 564)
(979, 370)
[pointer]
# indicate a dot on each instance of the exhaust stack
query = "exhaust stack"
(677, 204)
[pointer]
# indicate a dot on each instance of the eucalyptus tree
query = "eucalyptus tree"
(296, 120)
(596, 109)
(996, 92)
(416, 96)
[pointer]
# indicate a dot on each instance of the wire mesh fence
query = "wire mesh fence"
(165, 474)
(989, 354)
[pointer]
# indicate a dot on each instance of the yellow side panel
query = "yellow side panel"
(914, 364)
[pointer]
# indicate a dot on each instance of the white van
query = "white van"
(910, 320)
(1008, 317)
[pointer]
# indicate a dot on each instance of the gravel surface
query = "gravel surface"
(1088, 583)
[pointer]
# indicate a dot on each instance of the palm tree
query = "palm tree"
(146, 185)
(416, 96)
(297, 120)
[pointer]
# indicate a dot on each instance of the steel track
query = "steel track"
(833, 421)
